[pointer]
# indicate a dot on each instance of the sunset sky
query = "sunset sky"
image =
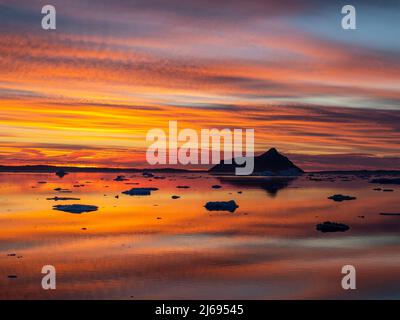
(88, 92)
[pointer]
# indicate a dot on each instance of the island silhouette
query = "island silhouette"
(269, 163)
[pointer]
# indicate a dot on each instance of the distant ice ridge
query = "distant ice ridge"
(292, 172)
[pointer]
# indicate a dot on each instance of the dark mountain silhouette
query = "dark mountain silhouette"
(268, 163)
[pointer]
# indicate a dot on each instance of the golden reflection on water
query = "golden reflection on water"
(148, 247)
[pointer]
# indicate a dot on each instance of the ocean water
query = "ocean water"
(156, 247)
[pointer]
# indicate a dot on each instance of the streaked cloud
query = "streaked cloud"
(113, 70)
